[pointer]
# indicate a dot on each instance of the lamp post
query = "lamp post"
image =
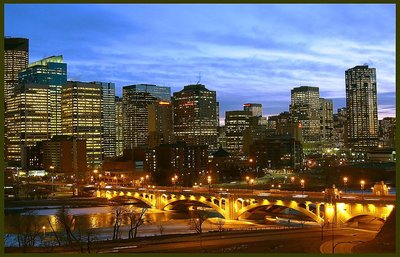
(302, 182)
(173, 182)
(345, 179)
(252, 185)
(247, 180)
(147, 179)
(362, 183)
(209, 184)
(44, 231)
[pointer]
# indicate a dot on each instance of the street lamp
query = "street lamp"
(302, 186)
(362, 183)
(252, 183)
(292, 180)
(44, 231)
(247, 180)
(173, 181)
(122, 177)
(147, 179)
(345, 179)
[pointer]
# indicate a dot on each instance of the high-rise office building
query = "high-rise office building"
(195, 116)
(84, 108)
(159, 92)
(51, 71)
(29, 113)
(160, 124)
(387, 132)
(108, 118)
(362, 108)
(236, 122)
(305, 109)
(340, 128)
(326, 121)
(16, 58)
(255, 109)
(136, 99)
(119, 136)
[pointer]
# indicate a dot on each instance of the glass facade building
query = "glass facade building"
(16, 59)
(84, 116)
(305, 110)
(236, 122)
(136, 101)
(51, 71)
(29, 113)
(362, 108)
(119, 136)
(195, 116)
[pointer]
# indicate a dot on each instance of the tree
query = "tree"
(117, 222)
(136, 219)
(196, 220)
(27, 230)
(67, 222)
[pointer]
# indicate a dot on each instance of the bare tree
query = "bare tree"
(27, 230)
(117, 222)
(196, 220)
(67, 222)
(136, 219)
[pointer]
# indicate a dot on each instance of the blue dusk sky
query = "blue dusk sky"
(247, 53)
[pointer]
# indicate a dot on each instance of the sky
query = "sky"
(246, 53)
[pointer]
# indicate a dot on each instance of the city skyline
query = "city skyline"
(226, 51)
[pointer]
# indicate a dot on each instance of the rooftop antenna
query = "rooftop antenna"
(199, 78)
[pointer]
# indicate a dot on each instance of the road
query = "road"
(283, 241)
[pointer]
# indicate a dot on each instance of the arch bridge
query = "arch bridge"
(235, 203)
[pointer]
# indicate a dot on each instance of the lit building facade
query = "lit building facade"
(387, 132)
(236, 122)
(305, 109)
(29, 112)
(16, 59)
(83, 107)
(326, 122)
(51, 71)
(195, 116)
(160, 118)
(108, 118)
(119, 136)
(135, 118)
(340, 128)
(362, 108)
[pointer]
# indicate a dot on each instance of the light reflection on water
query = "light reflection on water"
(87, 218)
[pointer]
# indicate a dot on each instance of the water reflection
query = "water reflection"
(86, 218)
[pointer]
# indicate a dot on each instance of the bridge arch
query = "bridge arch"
(292, 205)
(210, 204)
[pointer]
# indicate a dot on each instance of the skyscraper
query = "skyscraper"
(255, 109)
(362, 109)
(195, 116)
(84, 116)
(119, 137)
(108, 118)
(28, 116)
(160, 124)
(326, 120)
(51, 71)
(305, 109)
(16, 58)
(236, 122)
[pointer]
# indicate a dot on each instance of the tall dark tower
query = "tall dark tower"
(362, 108)
(16, 59)
(195, 116)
